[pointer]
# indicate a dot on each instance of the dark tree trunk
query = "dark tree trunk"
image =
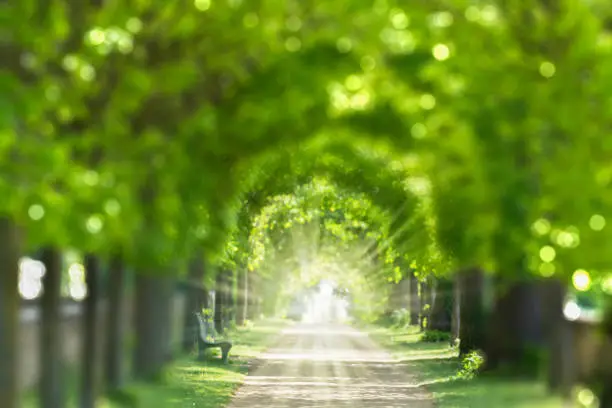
(558, 338)
(219, 301)
(442, 307)
(602, 377)
(115, 351)
(91, 338)
(205, 299)
(230, 302)
(153, 323)
(472, 320)
(516, 327)
(51, 363)
(10, 250)
(415, 304)
(242, 300)
(425, 297)
(252, 279)
(456, 313)
(194, 298)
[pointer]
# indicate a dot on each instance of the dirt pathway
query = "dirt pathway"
(329, 366)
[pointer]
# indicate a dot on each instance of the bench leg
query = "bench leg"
(202, 347)
(225, 353)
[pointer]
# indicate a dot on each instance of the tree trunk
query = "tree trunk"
(205, 298)
(194, 289)
(115, 351)
(153, 324)
(51, 339)
(602, 377)
(472, 320)
(516, 327)
(425, 297)
(456, 318)
(252, 279)
(242, 300)
(91, 338)
(415, 305)
(558, 337)
(442, 307)
(219, 301)
(10, 251)
(404, 294)
(230, 300)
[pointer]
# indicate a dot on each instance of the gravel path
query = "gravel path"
(329, 366)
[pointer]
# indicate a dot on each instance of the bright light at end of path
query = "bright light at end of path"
(326, 289)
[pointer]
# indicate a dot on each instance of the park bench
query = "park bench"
(207, 340)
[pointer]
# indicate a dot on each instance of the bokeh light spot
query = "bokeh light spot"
(353, 83)
(597, 222)
(134, 25)
(427, 101)
(202, 5)
(399, 19)
(571, 311)
(581, 280)
(112, 207)
(344, 44)
(36, 212)
(547, 69)
(606, 284)
(441, 52)
(586, 397)
(418, 131)
(293, 44)
(442, 19)
(541, 227)
(368, 63)
(94, 224)
(96, 36)
(547, 253)
(547, 269)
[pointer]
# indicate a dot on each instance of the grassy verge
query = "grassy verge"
(436, 365)
(189, 383)
(204, 384)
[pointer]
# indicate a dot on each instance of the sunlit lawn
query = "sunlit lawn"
(190, 383)
(436, 365)
(207, 384)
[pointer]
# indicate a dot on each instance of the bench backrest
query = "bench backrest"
(206, 331)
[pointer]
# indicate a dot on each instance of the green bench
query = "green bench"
(207, 339)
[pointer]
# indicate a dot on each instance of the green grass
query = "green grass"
(436, 366)
(189, 383)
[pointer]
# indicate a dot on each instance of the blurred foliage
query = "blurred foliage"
(446, 376)
(159, 129)
(435, 336)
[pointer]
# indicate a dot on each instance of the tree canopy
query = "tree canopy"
(163, 121)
